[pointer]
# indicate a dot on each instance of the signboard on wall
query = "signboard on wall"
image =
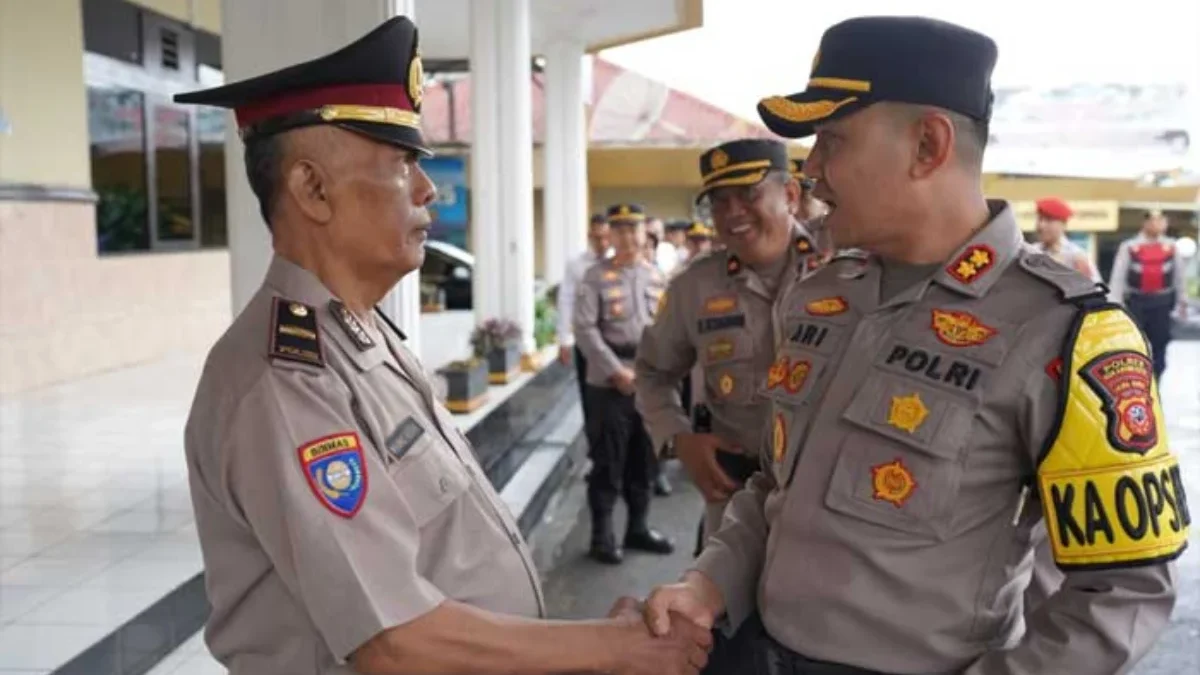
(1090, 216)
(449, 211)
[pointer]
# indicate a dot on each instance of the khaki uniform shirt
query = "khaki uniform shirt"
(720, 314)
(334, 497)
(893, 531)
(613, 305)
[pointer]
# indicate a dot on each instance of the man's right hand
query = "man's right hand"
(698, 453)
(695, 598)
(565, 354)
(682, 649)
(624, 380)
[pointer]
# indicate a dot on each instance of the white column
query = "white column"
(487, 288)
(403, 304)
(516, 147)
(259, 36)
(566, 195)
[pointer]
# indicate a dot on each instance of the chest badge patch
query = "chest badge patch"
(777, 373)
(405, 435)
(973, 262)
(827, 306)
(719, 350)
(779, 438)
(797, 376)
(908, 413)
(610, 275)
(616, 309)
(960, 329)
(720, 304)
(336, 472)
(892, 482)
(1122, 380)
(725, 384)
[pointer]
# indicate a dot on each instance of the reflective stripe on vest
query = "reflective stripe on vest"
(1111, 489)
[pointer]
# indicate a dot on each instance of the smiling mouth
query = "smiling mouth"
(740, 229)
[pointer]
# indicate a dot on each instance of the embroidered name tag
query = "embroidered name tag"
(401, 440)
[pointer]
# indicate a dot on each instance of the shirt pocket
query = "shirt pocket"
(728, 361)
(430, 478)
(900, 466)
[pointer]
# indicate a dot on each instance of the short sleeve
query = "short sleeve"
(310, 484)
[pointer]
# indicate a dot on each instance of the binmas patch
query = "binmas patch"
(1123, 380)
(336, 472)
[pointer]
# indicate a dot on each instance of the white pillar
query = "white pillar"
(403, 304)
(259, 36)
(487, 288)
(516, 147)
(566, 197)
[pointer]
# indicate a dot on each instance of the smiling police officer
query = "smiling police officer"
(958, 390)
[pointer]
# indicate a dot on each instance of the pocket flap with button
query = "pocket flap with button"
(430, 477)
(902, 469)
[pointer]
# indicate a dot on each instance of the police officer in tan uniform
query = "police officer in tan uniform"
(616, 301)
(345, 523)
(719, 312)
(809, 208)
(936, 425)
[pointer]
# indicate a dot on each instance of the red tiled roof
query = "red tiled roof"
(628, 109)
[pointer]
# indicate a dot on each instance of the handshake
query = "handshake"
(671, 632)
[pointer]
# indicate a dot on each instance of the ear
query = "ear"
(791, 191)
(936, 138)
(308, 185)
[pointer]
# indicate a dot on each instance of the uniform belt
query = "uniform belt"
(623, 351)
(775, 659)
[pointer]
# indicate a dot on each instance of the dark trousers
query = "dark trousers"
(1153, 315)
(581, 378)
(752, 644)
(621, 454)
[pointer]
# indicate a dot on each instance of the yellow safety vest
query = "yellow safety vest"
(1110, 487)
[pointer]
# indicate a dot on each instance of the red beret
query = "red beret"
(1054, 208)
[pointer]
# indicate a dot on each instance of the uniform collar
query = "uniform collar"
(363, 346)
(978, 264)
(803, 245)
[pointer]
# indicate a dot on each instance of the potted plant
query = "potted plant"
(466, 384)
(498, 342)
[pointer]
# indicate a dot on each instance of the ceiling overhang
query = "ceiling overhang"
(596, 24)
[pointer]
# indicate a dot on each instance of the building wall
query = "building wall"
(42, 94)
(66, 313)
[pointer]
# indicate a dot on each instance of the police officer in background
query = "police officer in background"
(598, 249)
(699, 240)
(934, 427)
(809, 208)
(616, 301)
(1148, 278)
(718, 312)
(1052, 216)
(310, 398)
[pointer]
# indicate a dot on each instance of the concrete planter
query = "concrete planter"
(466, 388)
(504, 364)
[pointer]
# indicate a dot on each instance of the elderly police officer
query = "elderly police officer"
(616, 301)
(719, 312)
(934, 427)
(345, 523)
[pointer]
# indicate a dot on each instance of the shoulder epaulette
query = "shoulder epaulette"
(1071, 285)
(295, 335)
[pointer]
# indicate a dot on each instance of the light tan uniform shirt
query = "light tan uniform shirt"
(883, 536)
(334, 497)
(613, 305)
(720, 314)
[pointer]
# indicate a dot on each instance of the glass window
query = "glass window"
(210, 126)
(117, 127)
(173, 173)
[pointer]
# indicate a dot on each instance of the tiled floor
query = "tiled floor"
(95, 516)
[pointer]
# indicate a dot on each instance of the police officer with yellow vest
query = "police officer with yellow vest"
(616, 301)
(958, 389)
